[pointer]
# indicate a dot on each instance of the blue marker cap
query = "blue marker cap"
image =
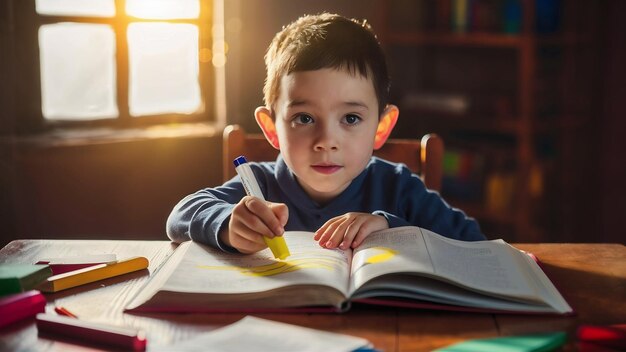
(240, 160)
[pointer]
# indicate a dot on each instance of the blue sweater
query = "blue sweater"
(383, 188)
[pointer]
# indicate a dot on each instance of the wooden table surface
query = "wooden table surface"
(592, 277)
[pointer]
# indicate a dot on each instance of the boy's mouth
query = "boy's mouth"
(326, 169)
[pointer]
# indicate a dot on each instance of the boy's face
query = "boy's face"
(326, 121)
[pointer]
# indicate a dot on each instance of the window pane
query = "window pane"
(95, 8)
(77, 71)
(163, 69)
(163, 9)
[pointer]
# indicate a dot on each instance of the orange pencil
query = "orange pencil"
(93, 273)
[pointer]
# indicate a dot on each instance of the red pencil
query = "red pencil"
(64, 311)
(90, 332)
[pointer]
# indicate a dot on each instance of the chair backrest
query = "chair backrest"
(424, 157)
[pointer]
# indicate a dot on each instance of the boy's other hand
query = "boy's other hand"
(253, 218)
(349, 230)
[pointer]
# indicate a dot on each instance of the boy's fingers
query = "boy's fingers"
(325, 228)
(320, 231)
(246, 222)
(353, 229)
(253, 218)
(251, 236)
(328, 232)
(359, 237)
(281, 211)
(366, 229)
(246, 246)
(339, 233)
(362, 232)
(242, 230)
(269, 225)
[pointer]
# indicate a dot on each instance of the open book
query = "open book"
(407, 266)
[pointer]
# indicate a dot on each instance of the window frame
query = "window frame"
(119, 24)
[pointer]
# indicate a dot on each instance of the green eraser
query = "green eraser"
(521, 343)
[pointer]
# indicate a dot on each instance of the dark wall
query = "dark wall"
(121, 190)
(7, 115)
(612, 188)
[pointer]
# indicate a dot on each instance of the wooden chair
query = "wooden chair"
(424, 157)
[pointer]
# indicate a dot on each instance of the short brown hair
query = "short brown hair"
(313, 42)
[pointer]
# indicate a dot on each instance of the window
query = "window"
(120, 62)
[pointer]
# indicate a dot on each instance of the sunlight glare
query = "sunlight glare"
(77, 71)
(164, 72)
(95, 8)
(163, 9)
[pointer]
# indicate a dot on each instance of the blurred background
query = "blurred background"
(112, 110)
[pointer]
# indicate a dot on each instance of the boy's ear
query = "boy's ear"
(263, 117)
(386, 124)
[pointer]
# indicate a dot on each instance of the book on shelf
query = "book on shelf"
(484, 15)
(488, 16)
(460, 16)
(436, 102)
(463, 174)
(404, 267)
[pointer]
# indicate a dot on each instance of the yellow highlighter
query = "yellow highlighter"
(277, 244)
(93, 273)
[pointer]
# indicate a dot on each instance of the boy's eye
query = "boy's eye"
(303, 119)
(352, 119)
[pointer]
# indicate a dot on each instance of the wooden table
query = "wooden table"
(592, 277)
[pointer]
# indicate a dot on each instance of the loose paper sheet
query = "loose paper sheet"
(256, 334)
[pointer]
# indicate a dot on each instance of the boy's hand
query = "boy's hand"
(251, 219)
(349, 230)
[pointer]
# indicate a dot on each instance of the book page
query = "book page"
(205, 269)
(426, 289)
(487, 266)
(389, 251)
(543, 285)
(416, 264)
(199, 269)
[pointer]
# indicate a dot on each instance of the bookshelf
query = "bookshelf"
(509, 86)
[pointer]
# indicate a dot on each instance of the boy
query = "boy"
(326, 111)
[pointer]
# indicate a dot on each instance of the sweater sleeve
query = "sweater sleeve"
(418, 206)
(200, 216)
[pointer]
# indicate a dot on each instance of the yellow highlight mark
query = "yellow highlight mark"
(387, 254)
(277, 267)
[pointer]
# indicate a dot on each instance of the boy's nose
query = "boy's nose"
(326, 139)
